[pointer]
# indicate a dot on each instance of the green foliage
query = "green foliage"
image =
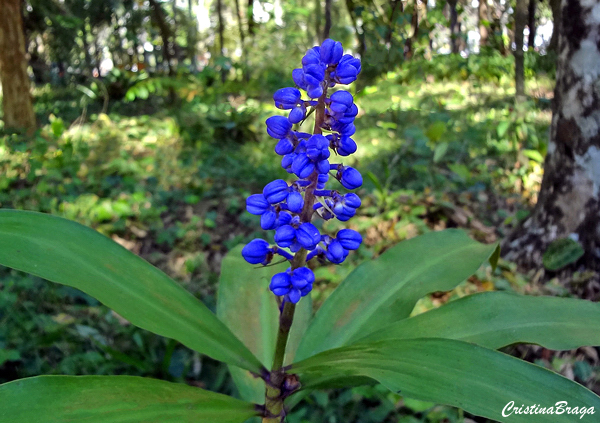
(100, 399)
(385, 290)
(561, 253)
(247, 306)
(432, 369)
(450, 372)
(51, 248)
(497, 319)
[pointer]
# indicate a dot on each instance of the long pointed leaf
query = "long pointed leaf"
(247, 306)
(456, 373)
(385, 290)
(115, 399)
(66, 252)
(497, 319)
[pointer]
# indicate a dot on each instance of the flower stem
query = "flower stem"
(274, 394)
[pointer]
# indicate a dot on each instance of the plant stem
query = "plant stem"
(274, 394)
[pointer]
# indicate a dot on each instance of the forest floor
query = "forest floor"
(169, 183)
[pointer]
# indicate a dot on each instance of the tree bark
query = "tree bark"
(318, 20)
(556, 12)
(483, 21)
(359, 31)
(327, 26)
(520, 19)
(569, 199)
(221, 36)
(531, 23)
(165, 32)
(454, 27)
(414, 25)
(250, 15)
(16, 99)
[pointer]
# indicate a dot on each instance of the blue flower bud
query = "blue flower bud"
(268, 220)
(308, 236)
(335, 253)
(256, 251)
(341, 101)
(317, 147)
(331, 52)
(284, 219)
(302, 166)
(323, 178)
(285, 235)
(298, 77)
(314, 91)
(294, 295)
(323, 167)
(349, 239)
(352, 200)
(286, 98)
(312, 57)
(280, 283)
(278, 126)
(349, 115)
(347, 70)
(314, 74)
(284, 146)
(276, 191)
(346, 146)
(297, 114)
(257, 204)
(295, 202)
(301, 277)
(287, 160)
(351, 178)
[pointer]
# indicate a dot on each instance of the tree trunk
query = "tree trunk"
(454, 27)
(396, 4)
(360, 34)
(520, 19)
(531, 23)
(327, 26)
(556, 12)
(221, 36)
(483, 21)
(250, 15)
(165, 32)
(192, 37)
(569, 199)
(16, 99)
(414, 25)
(318, 20)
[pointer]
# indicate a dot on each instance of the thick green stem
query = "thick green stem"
(274, 412)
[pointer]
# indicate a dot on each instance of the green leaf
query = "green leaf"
(440, 151)
(385, 290)
(502, 128)
(66, 252)
(247, 306)
(497, 319)
(456, 373)
(122, 399)
(561, 253)
(495, 257)
(436, 130)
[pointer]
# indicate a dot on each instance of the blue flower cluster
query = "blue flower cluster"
(289, 208)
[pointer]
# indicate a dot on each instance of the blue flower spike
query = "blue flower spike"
(289, 208)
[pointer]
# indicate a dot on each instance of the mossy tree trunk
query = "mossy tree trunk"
(16, 98)
(569, 199)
